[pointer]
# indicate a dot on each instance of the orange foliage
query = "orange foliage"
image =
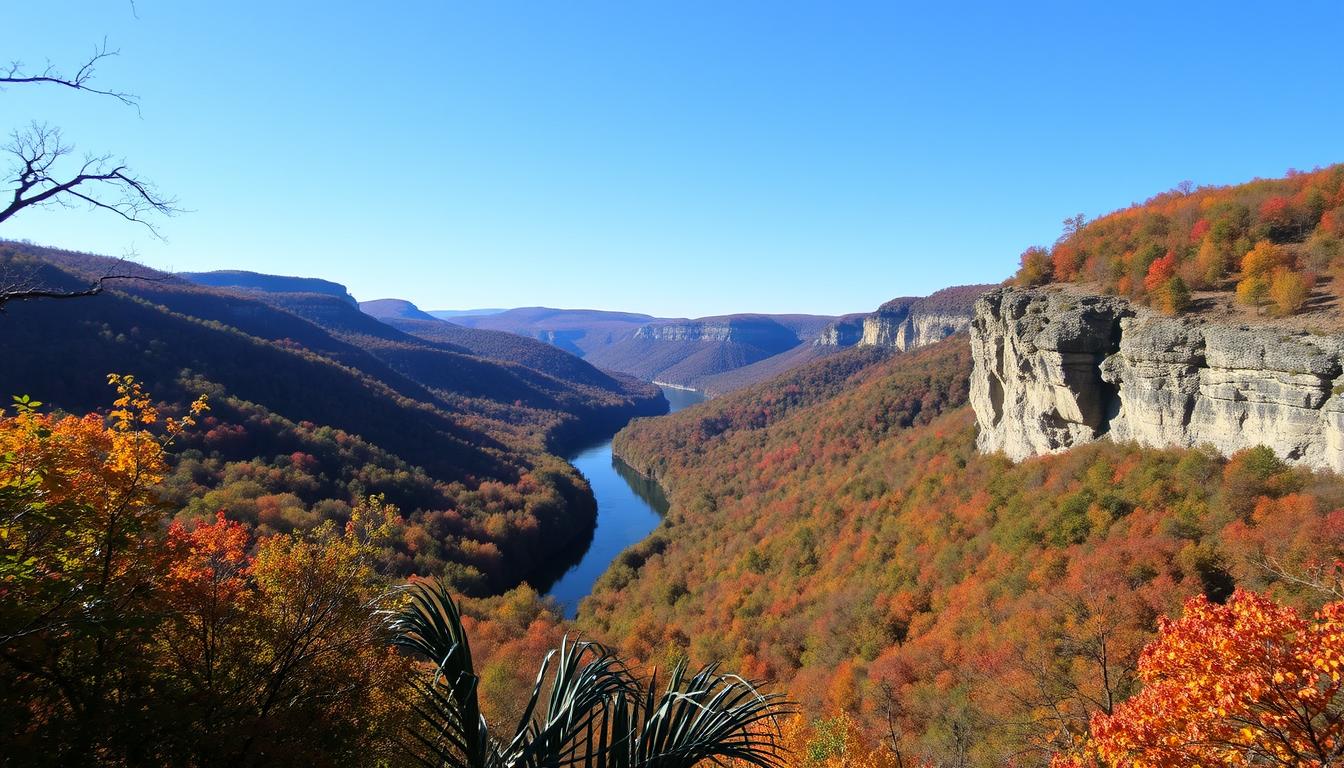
(1289, 290)
(1248, 683)
(980, 609)
(1159, 272)
(1199, 233)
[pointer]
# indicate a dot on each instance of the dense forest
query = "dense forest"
(836, 530)
(1274, 242)
(316, 405)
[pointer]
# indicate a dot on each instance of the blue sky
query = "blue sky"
(676, 158)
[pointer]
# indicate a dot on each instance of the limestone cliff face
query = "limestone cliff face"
(909, 322)
(845, 332)
(1054, 370)
(912, 330)
(760, 331)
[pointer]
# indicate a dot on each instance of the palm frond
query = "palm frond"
(585, 708)
(570, 727)
(430, 625)
(710, 716)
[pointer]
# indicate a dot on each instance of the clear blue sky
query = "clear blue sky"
(676, 158)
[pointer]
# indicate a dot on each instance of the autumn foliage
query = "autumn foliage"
(851, 543)
(125, 639)
(1251, 682)
(1269, 239)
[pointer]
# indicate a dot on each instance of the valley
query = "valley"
(921, 521)
(671, 385)
(629, 507)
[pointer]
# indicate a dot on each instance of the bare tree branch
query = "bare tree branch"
(99, 182)
(81, 80)
(27, 289)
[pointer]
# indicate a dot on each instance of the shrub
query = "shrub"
(1289, 290)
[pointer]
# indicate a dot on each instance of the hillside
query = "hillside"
(578, 331)
(315, 404)
(504, 346)
(234, 278)
(1239, 251)
(837, 530)
(394, 309)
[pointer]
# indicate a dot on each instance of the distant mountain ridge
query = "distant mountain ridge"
(394, 309)
(257, 281)
(719, 354)
(448, 314)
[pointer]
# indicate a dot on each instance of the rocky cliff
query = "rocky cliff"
(845, 332)
(1056, 369)
(908, 322)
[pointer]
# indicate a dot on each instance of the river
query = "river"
(629, 507)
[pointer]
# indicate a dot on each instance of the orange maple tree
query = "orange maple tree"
(1251, 682)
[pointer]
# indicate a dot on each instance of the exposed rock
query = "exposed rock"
(908, 322)
(1054, 370)
(256, 281)
(747, 329)
(845, 332)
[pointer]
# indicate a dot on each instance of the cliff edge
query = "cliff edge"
(1054, 369)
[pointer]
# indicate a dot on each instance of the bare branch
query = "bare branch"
(81, 80)
(28, 290)
(99, 182)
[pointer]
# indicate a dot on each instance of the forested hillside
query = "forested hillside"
(837, 531)
(315, 405)
(1276, 242)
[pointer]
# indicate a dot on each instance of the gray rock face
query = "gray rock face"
(911, 330)
(760, 331)
(909, 322)
(845, 332)
(1054, 370)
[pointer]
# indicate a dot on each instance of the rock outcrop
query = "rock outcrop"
(909, 322)
(845, 332)
(745, 329)
(1055, 369)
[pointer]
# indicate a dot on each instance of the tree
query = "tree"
(1257, 267)
(79, 558)
(39, 156)
(595, 714)
(1289, 290)
(1247, 683)
(261, 646)
(1037, 267)
(43, 173)
(1173, 297)
(1159, 272)
(127, 641)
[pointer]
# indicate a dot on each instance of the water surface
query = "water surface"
(629, 507)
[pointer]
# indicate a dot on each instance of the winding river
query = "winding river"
(629, 507)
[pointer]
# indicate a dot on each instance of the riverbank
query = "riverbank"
(629, 508)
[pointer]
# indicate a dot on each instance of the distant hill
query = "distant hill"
(673, 350)
(683, 352)
(393, 309)
(716, 354)
(233, 278)
(578, 331)
(498, 345)
(448, 314)
(315, 404)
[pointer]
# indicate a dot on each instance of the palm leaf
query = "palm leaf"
(585, 708)
(431, 626)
